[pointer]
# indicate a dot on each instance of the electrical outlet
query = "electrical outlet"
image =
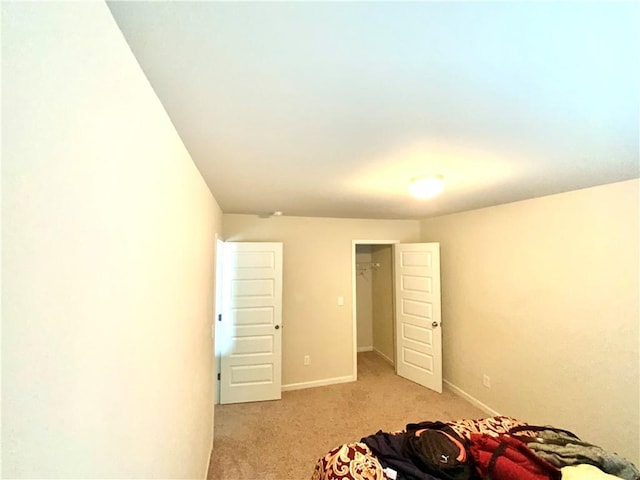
(486, 381)
(307, 360)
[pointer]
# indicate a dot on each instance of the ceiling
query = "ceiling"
(329, 108)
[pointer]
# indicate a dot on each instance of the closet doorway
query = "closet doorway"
(397, 308)
(374, 307)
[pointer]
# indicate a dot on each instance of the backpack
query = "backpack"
(437, 449)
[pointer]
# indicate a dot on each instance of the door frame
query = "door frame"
(217, 311)
(354, 313)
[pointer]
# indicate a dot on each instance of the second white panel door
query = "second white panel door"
(250, 350)
(418, 313)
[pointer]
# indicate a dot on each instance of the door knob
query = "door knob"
(434, 324)
(277, 327)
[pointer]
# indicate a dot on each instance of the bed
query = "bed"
(357, 461)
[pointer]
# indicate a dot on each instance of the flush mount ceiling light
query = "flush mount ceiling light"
(426, 187)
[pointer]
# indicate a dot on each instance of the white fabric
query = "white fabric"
(391, 473)
(585, 472)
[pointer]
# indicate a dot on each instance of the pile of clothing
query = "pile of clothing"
(435, 451)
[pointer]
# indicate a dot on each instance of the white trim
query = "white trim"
(217, 311)
(385, 358)
(365, 349)
(461, 393)
(317, 383)
(354, 313)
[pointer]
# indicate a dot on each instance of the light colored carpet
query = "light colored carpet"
(282, 440)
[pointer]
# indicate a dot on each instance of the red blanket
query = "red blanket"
(506, 458)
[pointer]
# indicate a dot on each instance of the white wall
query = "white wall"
(542, 296)
(108, 258)
(317, 270)
(364, 300)
(383, 335)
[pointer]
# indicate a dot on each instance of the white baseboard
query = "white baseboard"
(387, 359)
(365, 349)
(461, 393)
(317, 383)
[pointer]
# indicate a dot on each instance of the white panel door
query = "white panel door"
(418, 314)
(250, 350)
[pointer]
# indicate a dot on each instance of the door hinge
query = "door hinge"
(219, 317)
(218, 376)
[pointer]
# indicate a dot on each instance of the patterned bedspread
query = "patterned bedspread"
(355, 461)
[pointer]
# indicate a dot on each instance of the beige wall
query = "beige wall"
(383, 337)
(364, 300)
(542, 296)
(107, 247)
(317, 270)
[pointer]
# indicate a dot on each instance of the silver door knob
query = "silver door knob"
(277, 327)
(434, 324)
